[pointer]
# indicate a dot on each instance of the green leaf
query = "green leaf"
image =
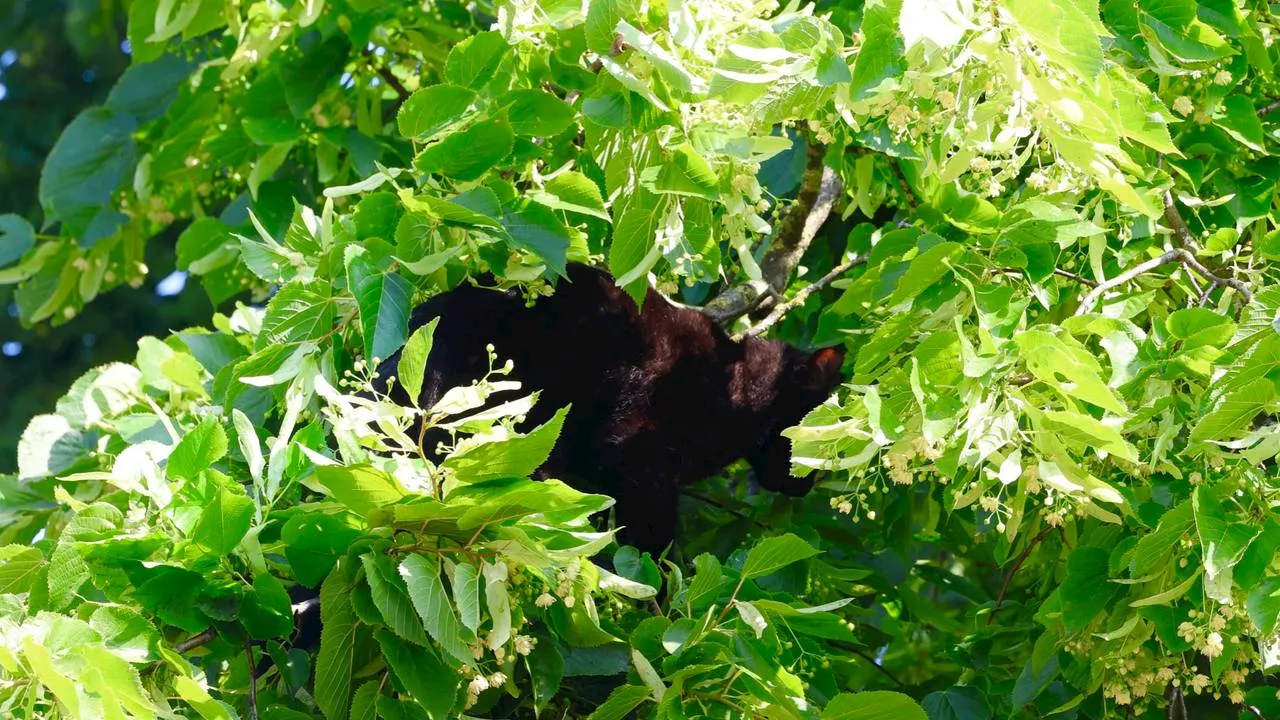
(466, 593)
(1067, 366)
(1234, 412)
(1241, 122)
(873, 705)
(1263, 604)
(773, 553)
(201, 447)
(426, 591)
(1063, 31)
(634, 249)
(546, 672)
(1086, 591)
(18, 568)
(364, 702)
(224, 521)
(707, 583)
(431, 110)
(536, 113)
(313, 544)
(50, 446)
(383, 299)
(127, 632)
(267, 612)
(412, 367)
(431, 682)
(362, 488)
(685, 173)
(391, 597)
(472, 62)
(536, 229)
(515, 457)
(960, 702)
(87, 163)
(926, 269)
(1089, 432)
(17, 237)
(620, 702)
(573, 192)
(41, 663)
(296, 314)
(204, 239)
(334, 664)
(468, 154)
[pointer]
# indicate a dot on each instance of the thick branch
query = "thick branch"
(1191, 247)
(786, 307)
(1177, 224)
(819, 189)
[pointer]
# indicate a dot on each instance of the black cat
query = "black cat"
(660, 395)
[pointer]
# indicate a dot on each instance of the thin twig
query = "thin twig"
(716, 503)
(1056, 271)
(786, 307)
(858, 651)
(253, 681)
(1094, 295)
(1190, 261)
(196, 641)
(1269, 108)
(1017, 565)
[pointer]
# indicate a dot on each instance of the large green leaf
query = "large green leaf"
(873, 705)
(774, 553)
(466, 155)
(427, 678)
(383, 298)
(391, 597)
(432, 110)
(422, 577)
(362, 488)
(86, 165)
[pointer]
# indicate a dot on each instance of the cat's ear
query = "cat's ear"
(824, 367)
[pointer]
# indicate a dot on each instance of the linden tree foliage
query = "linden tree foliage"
(1046, 487)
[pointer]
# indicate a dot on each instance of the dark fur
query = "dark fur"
(660, 395)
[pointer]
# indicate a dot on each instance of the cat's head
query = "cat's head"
(805, 380)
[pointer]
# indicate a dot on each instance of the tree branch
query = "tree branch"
(253, 681)
(195, 641)
(1269, 108)
(1191, 247)
(846, 647)
(1177, 224)
(819, 189)
(786, 307)
(1017, 565)
(1094, 295)
(1183, 257)
(1056, 271)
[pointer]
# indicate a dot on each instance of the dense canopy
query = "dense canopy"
(1043, 229)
